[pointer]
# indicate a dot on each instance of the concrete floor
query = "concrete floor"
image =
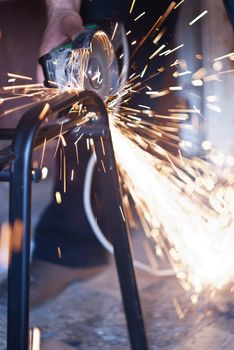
(89, 315)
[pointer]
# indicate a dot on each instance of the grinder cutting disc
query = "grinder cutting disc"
(88, 62)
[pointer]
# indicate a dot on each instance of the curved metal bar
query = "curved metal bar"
(20, 204)
(27, 137)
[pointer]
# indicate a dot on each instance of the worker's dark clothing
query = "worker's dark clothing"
(230, 10)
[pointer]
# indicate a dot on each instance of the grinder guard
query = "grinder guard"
(87, 62)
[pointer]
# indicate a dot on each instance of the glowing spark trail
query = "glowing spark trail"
(195, 228)
(179, 3)
(18, 76)
(58, 198)
(114, 31)
(132, 5)
(142, 14)
(35, 335)
(176, 48)
(157, 51)
(198, 17)
(144, 70)
(166, 13)
(224, 56)
(159, 36)
(175, 88)
(13, 87)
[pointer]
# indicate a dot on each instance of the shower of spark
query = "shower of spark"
(185, 204)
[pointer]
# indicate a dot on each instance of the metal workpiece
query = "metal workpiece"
(20, 209)
(29, 134)
(119, 233)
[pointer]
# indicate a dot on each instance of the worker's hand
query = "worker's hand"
(62, 25)
(63, 22)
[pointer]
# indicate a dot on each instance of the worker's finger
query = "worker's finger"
(72, 25)
(61, 27)
(39, 74)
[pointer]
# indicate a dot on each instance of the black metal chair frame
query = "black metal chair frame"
(15, 167)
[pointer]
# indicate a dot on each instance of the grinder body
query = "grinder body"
(87, 62)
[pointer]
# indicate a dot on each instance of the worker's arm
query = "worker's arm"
(63, 21)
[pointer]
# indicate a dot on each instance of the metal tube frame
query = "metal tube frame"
(28, 135)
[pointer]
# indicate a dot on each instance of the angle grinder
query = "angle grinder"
(88, 62)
